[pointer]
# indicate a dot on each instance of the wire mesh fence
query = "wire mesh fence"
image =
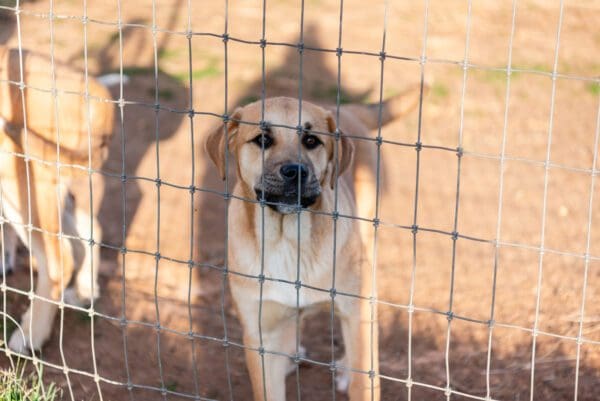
(456, 322)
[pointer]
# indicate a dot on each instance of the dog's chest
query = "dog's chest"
(287, 266)
(289, 256)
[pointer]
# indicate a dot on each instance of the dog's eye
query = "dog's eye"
(311, 141)
(263, 140)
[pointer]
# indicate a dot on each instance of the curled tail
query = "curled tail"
(391, 108)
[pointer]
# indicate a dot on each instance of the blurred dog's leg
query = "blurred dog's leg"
(360, 332)
(278, 340)
(86, 282)
(55, 265)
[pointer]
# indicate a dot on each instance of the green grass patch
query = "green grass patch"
(182, 78)
(17, 385)
(209, 71)
(439, 90)
(133, 71)
(163, 94)
(495, 77)
(538, 68)
(249, 99)
(168, 54)
(593, 88)
(390, 92)
(166, 94)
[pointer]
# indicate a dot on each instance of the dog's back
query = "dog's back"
(83, 117)
(362, 121)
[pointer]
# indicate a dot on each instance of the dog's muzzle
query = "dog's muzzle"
(281, 190)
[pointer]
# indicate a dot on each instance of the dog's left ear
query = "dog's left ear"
(215, 143)
(345, 151)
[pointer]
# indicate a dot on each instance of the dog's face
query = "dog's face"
(289, 167)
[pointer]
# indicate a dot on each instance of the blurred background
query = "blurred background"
(206, 75)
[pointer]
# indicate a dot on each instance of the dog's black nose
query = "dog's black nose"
(290, 172)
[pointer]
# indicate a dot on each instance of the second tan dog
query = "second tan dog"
(36, 196)
(301, 169)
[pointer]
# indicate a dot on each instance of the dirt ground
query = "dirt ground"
(192, 226)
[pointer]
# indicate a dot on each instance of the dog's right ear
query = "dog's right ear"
(217, 139)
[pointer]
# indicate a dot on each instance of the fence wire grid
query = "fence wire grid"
(229, 344)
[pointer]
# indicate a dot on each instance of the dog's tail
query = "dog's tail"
(390, 109)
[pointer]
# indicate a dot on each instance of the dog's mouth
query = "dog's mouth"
(285, 199)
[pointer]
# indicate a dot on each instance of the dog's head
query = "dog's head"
(299, 164)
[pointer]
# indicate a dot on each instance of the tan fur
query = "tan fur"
(278, 300)
(31, 191)
(353, 262)
(44, 122)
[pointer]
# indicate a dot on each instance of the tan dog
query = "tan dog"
(305, 162)
(33, 191)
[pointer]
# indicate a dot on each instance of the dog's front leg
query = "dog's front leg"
(360, 332)
(278, 329)
(85, 288)
(38, 319)
(36, 322)
(85, 225)
(54, 259)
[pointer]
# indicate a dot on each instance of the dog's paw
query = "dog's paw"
(342, 379)
(19, 343)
